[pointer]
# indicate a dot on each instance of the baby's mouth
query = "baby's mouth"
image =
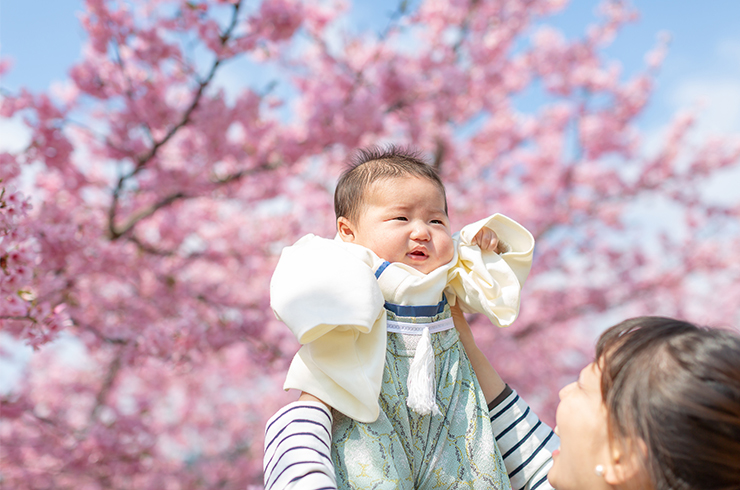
(417, 253)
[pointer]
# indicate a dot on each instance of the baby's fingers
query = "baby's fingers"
(487, 240)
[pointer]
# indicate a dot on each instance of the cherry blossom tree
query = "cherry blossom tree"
(162, 192)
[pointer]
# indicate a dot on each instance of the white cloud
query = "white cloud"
(14, 358)
(717, 100)
(712, 95)
(715, 92)
(14, 136)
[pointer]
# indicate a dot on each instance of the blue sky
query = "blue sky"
(44, 37)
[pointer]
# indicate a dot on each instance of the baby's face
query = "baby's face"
(403, 220)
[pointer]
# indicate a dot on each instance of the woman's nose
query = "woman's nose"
(564, 390)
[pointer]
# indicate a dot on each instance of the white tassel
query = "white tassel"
(422, 397)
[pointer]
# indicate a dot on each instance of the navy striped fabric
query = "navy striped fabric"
(526, 443)
(297, 449)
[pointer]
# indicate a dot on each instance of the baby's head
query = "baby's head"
(394, 203)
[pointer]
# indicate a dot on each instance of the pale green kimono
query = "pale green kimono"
(405, 450)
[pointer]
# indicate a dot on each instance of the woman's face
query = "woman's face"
(582, 426)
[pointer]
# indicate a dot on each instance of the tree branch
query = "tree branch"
(144, 213)
(439, 154)
(110, 377)
(144, 159)
(464, 28)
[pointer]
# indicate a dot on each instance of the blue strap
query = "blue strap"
(380, 270)
(425, 310)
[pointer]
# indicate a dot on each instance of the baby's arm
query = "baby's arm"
(525, 442)
(488, 281)
(319, 285)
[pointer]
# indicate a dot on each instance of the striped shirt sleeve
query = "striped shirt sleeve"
(297, 448)
(526, 443)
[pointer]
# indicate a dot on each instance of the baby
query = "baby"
(372, 310)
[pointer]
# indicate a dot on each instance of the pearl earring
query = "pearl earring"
(599, 470)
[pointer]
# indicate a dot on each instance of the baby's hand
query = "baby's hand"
(487, 240)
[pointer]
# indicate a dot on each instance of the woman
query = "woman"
(659, 409)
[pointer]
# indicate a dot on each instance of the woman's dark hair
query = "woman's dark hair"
(675, 387)
(371, 164)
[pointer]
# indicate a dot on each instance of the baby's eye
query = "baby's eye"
(438, 222)
(401, 218)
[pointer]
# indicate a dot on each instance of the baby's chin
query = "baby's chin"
(424, 268)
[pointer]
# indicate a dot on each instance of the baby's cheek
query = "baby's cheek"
(448, 251)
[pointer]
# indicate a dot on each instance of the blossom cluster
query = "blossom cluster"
(195, 139)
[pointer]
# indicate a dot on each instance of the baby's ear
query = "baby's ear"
(345, 229)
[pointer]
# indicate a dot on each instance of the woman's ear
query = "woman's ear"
(345, 229)
(626, 465)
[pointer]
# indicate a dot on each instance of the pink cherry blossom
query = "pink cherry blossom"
(158, 196)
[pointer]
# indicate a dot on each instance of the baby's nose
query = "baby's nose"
(420, 232)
